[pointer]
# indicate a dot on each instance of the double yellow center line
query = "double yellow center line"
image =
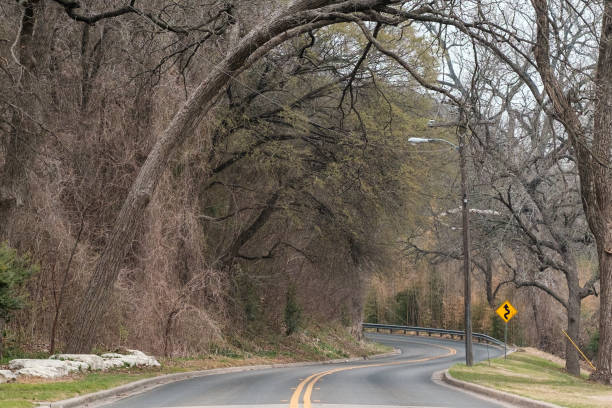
(310, 382)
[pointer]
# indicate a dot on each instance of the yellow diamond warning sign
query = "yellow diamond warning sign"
(506, 311)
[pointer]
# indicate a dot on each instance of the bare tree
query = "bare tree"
(593, 152)
(577, 84)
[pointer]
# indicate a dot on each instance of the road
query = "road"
(402, 380)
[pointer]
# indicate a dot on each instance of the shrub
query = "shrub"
(593, 345)
(293, 312)
(15, 270)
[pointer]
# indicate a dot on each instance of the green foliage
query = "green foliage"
(14, 348)
(124, 334)
(293, 311)
(593, 347)
(345, 317)
(497, 327)
(407, 307)
(371, 308)
(248, 298)
(15, 270)
(436, 299)
(479, 315)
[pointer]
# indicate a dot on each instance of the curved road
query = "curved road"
(402, 380)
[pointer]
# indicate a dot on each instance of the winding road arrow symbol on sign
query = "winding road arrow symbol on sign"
(506, 311)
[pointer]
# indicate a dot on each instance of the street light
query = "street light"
(469, 359)
(415, 140)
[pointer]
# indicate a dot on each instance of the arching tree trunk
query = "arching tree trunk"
(300, 16)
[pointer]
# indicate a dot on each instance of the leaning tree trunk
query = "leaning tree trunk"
(604, 356)
(593, 161)
(602, 186)
(23, 138)
(300, 16)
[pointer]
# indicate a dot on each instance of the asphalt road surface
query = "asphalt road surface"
(403, 380)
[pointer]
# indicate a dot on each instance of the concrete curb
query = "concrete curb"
(147, 384)
(513, 399)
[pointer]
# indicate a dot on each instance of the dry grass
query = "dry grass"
(533, 375)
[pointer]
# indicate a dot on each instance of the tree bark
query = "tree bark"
(250, 231)
(297, 17)
(602, 205)
(22, 140)
(168, 331)
(604, 356)
(593, 161)
(467, 288)
(572, 363)
(2, 324)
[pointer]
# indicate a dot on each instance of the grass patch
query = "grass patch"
(15, 354)
(309, 345)
(537, 378)
(26, 394)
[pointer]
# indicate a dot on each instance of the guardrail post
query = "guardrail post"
(404, 331)
(377, 330)
(429, 334)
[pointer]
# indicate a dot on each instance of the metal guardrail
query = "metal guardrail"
(430, 331)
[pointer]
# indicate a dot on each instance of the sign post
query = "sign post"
(505, 340)
(506, 311)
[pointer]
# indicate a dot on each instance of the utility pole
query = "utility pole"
(461, 126)
(465, 211)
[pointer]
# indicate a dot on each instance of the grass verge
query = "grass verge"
(528, 375)
(309, 345)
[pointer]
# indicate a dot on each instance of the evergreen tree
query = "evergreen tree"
(293, 312)
(15, 270)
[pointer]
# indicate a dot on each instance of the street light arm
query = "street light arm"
(416, 140)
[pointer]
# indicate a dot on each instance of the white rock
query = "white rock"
(135, 358)
(44, 372)
(137, 353)
(7, 376)
(46, 368)
(60, 365)
(113, 363)
(112, 355)
(93, 361)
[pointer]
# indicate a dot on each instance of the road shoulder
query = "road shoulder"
(137, 387)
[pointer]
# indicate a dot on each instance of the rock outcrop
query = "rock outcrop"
(60, 365)
(46, 368)
(7, 376)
